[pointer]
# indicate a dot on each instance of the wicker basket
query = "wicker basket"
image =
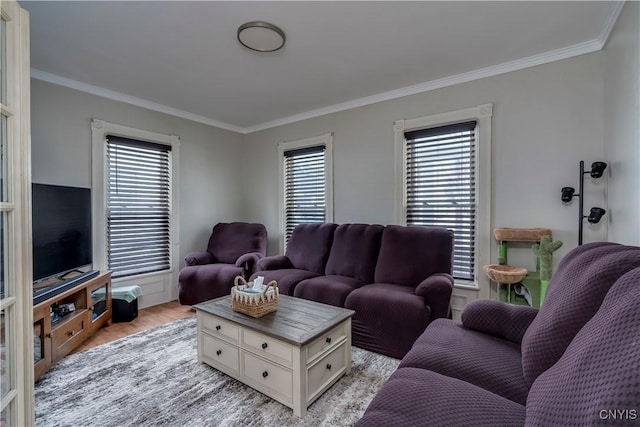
(505, 273)
(254, 304)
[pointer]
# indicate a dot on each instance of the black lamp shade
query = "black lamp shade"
(567, 194)
(597, 169)
(595, 215)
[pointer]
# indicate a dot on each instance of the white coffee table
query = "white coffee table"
(292, 355)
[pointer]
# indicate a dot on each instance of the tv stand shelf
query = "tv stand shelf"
(54, 339)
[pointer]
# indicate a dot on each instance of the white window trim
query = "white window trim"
(482, 115)
(164, 291)
(327, 141)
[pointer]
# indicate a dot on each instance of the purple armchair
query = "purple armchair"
(512, 345)
(234, 249)
(412, 286)
(306, 256)
(573, 362)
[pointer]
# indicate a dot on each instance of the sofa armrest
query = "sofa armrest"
(276, 262)
(198, 258)
(436, 291)
(248, 262)
(499, 319)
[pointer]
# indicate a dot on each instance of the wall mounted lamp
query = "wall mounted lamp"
(568, 193)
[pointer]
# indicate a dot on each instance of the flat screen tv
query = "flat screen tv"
(61, 229)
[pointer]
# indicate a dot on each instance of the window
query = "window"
(444, 183)
(138, 206)
(440, 187)
(135, 199)
(306, 187)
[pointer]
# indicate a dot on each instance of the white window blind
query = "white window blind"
(305, 187)
(441, 188)
(138, 206)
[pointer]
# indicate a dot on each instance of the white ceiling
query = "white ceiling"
(183, 57)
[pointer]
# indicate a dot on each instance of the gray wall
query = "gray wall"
(209, 176)
(545, 120)
(622, 125)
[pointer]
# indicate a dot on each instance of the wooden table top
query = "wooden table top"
(297, 321)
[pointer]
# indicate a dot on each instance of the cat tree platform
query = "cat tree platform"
(520, 234)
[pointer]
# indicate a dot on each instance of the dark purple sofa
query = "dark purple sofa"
(397, 279)
(351, 265)
(412, 286)
(572, 362)
(234, 249)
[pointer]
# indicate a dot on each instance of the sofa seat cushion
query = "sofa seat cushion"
(408, 255)
(486, 361)
(331, 290)
(287, 278)
(309, 245)
(200, 283)
(418, 397)
(388, 318)
(354, 251)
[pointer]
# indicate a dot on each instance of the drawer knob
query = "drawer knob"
(217, 327)
(328, 365)
(328, 340)
(264, 345)
(219, 352)
(265, 374)
(70, 333)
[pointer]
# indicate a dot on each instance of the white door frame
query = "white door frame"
(17, 305)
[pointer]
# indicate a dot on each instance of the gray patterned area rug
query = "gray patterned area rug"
(153, 378)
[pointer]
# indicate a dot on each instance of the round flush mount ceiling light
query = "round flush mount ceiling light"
(261, 36)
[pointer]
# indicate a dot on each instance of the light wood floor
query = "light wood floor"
(147, 318)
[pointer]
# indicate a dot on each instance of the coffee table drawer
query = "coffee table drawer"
(217, 351)
(269, 378)
(326, 341)
(268, 347)
(325, 372)
(218, 327)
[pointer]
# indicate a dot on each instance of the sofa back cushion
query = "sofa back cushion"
(354, 251)
(229, 241)
(596, 379)
(575, 293)
(408, 255)
(309, 244)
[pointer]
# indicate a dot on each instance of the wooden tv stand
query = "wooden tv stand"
(55, 337)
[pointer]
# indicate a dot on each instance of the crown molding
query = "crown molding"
(611, 22)
(127, 99)
(531, 61)
(519, 64)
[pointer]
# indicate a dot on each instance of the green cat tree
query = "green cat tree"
(544, 253)
(507, 277)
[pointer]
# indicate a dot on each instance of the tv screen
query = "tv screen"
(61, 229)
